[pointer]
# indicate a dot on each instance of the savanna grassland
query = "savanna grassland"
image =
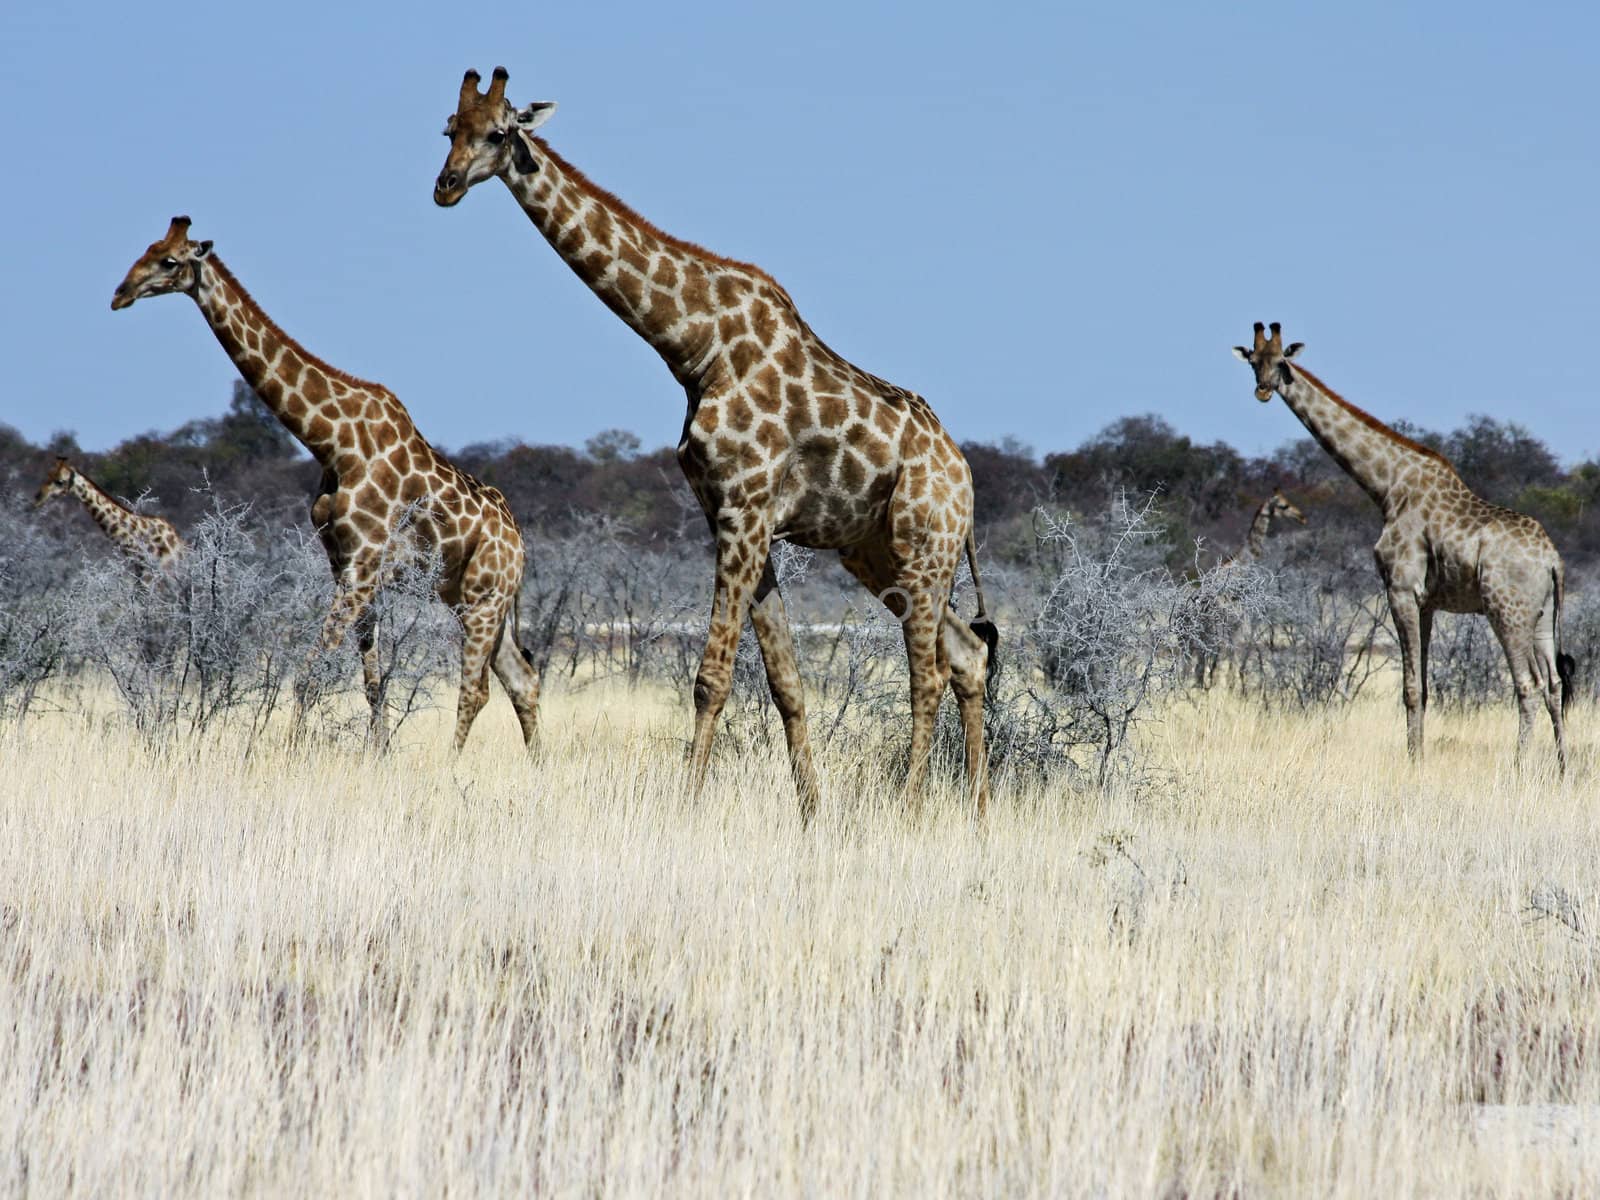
(1276, 960)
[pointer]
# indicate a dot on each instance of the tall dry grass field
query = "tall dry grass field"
(1285, 962)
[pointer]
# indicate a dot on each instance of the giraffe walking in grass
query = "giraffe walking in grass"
(379, 476)
(143, 539)
(783, 438)
(1442, 548)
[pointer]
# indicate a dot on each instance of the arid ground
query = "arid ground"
(1283, 961)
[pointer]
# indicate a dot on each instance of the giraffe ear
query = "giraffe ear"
(535, 115)
(202, 249)
(1294, 348)
(1241, 354)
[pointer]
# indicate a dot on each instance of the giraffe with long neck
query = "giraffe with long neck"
(1443, 548)
(783, 439)
(142, 538)
(1272, 508)
(385, 490)
(1220, 622)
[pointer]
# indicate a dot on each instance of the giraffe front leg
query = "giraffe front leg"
(1408, 629)
(771, 622)
(374, 681)
(350, 603)
(741, 556)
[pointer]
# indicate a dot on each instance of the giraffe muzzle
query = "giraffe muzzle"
(121, 298)
(1263, 394)
(447, 189)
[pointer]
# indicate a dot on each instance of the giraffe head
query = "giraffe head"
(1279, 506)
(1269, 358)
(169, 265)
(58, 481)
(486, 137)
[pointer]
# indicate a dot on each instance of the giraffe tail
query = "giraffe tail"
(983, 625)
(1566, 665)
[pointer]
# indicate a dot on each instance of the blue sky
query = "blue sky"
(1040, 217)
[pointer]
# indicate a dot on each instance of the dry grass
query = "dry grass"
(1288, 964)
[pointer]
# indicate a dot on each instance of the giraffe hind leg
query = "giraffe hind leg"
(517, 675)
(481, 625)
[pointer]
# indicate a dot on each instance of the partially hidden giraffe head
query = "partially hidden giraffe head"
(58, 481)
(1270, 359)
(486, 137)
(169, 265)
(1280, 506)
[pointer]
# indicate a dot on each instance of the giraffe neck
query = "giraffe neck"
(1369, 451)
(1255, 542)
(310, 397)
(119, 521)
(668, 291)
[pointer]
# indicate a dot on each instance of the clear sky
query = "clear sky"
(1040, 217)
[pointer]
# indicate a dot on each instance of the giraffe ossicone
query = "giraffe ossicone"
(782, 439)
(1443, 548)
(381, 482)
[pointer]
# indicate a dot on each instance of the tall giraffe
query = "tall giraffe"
(378, 474)
(143, 539)
(1442, 547)
(1219, 623)
(782, 439)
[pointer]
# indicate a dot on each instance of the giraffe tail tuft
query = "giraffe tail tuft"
(1567, 668)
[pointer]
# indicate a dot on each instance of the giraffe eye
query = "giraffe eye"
(169, 263)
(495, 137)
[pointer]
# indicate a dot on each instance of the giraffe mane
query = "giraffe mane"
(1367, 418)
(311, 359)
(614, 202)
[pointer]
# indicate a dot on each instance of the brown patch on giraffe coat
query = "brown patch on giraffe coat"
(763, 390)
(666, 273)
(633, 257)
(791, 358)
(696, 289)
(743, 356)
(631, 288)
(601, 226)
(739, 414)
(664, 311)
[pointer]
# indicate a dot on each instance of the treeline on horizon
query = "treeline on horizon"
(1209, 491)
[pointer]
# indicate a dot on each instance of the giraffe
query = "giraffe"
(782, 439)
(1442, 548)
(1217, 620)
(1255, 542)
(143, 539)
(379, 475)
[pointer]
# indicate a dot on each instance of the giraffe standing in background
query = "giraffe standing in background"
(144, 540)
(1442, 546)
(1255, 542)
(1219, 622)
(378, 473)
(783, 439)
